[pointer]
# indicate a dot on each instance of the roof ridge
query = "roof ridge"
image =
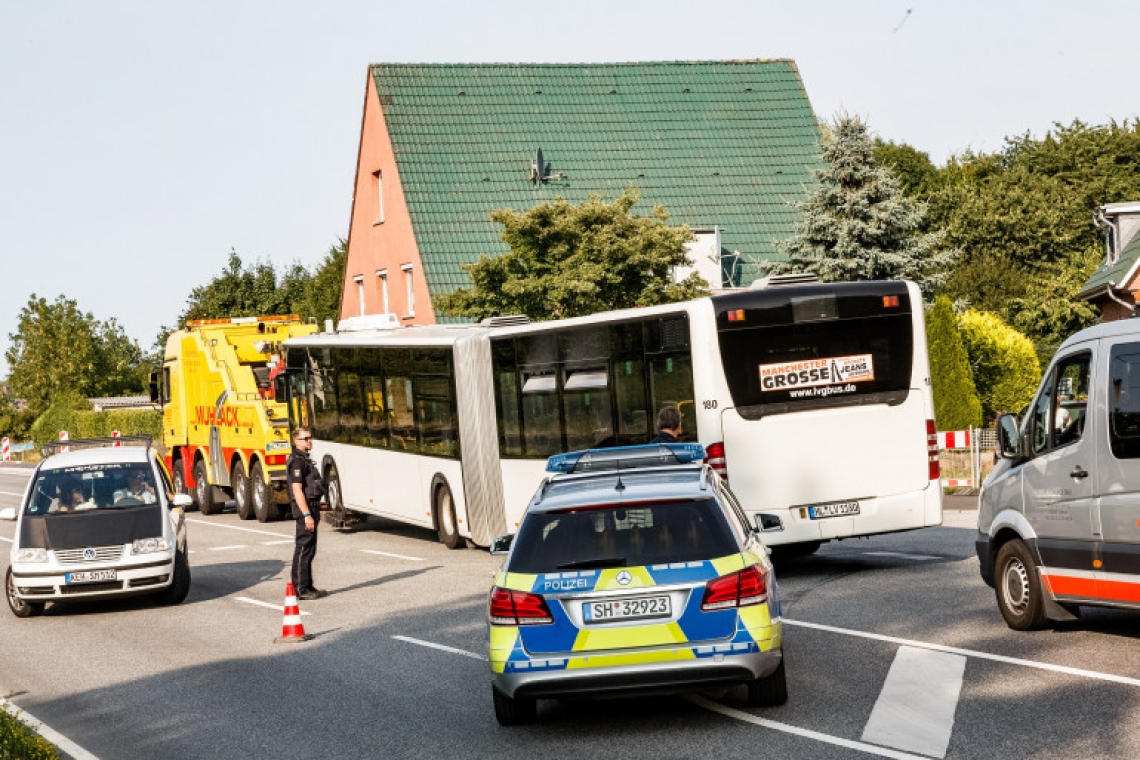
(551, 64)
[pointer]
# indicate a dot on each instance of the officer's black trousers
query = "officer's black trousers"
(304, 549)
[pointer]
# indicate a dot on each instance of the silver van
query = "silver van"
(1059, 516)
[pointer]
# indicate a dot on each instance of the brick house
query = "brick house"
(725, 146)
(1113, 287)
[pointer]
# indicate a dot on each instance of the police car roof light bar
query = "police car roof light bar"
(626, 457)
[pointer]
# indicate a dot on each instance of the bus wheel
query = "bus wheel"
(203, 491)
(241, 491)
(445, 518)
(263, 506)
(179, 475)
(337, 511)
(1019, 593)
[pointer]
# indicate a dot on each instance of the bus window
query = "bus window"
(507, 398)
(542, 429)
(671, 384)
(323, 403)
(398, 395)
(586, 409)
(435, 413)
(375, 412)
(631, 401)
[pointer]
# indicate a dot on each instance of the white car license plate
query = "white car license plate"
(627, 609)
(834, 510)
(91, 576)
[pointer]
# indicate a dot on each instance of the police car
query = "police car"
(634, 570)
(98, 521)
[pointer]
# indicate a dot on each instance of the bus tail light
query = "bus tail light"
(715, 458)
(932, 450)
(740, 589)
(509, 607)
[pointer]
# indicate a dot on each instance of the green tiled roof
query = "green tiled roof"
(1115, 272)
(725, 143)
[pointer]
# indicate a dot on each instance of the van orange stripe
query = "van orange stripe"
(1121, 591)
(1066, 586)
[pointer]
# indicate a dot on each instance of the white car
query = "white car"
(99, 521)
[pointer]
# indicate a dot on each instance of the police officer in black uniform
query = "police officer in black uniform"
(305, 492)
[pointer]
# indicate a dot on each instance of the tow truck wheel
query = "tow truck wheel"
(263, 506)
(179, 475)
(769, 691)
(240, 485)
(445, 518)
(1018, 587)
(19, 607)
(513, 712)
(203, 491)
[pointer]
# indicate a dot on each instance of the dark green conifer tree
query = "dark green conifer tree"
(956, 402)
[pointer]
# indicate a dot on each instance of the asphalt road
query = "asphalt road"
(396, 667)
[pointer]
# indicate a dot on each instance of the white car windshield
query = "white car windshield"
(72, 490)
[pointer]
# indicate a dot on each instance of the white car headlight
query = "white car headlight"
(149, 545)
(31, 555)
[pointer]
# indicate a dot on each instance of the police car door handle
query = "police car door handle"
(1078, 473)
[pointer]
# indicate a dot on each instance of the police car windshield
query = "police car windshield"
(88, 488)
(620, 536)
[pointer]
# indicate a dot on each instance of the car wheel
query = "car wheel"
(1018, 587)
(445, 518)
(513, 712)
(19, 607)
(769, 691)
(180, 586)
(203, 491)
(179, 475)
(240, 485)
(263, 506)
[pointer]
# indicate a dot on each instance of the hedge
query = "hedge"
(88, 424)
(19, 741)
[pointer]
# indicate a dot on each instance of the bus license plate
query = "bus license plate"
(834, 510)
(91, 576)
(627, 609)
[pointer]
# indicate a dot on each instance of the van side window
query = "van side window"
(1124, 401)
(1059, 414)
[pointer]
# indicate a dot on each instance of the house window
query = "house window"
(408, 295)
(378, 185)
(359, 280)
(383, 275)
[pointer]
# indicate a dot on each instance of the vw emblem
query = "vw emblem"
(88, 554)
(624, 577)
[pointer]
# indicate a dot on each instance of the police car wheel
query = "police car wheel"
(263, 507)
(241, 486)
(770, 691)
(445, 518)
(1018, 589)
(19, 607)
(513, 712)
(203, 491)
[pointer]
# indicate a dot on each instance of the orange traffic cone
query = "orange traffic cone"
(291, 630)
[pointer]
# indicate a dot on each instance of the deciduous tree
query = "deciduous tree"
(1006, 370)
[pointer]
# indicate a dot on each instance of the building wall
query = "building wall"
(381, 242)
(1110, 310)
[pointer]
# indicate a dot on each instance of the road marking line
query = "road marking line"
(233, 527)
(973, 653)
(390, 554)
(227, 548)
(260, 603)
(275, 543)
(901, 554)
(440, 647)
(10, 493)
(806, 733)
(71, 748)
(9, 540)
(915, 709)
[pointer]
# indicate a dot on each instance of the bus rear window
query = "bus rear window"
(786, 351)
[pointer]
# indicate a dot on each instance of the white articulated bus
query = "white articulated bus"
(812, 399)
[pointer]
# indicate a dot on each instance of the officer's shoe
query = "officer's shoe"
(310, 594)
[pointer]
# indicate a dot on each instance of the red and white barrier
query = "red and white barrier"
(957, 482)
(954, 439)
(63, 437)
(5, 446)
(116, 434)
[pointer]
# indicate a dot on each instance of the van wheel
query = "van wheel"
(19, 607)
(179, 475)
(203, 491)
(241, 491)
(445, 518)
(1018, 587)
(769, 691)
(180, 586)
(263, 506)
(513, 712)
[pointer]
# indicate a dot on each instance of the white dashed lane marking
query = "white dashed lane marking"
(390, 554)
(235, 527)
(915, 709)
(228, 548)
(440, 647)
(903, 555)
(259, 603)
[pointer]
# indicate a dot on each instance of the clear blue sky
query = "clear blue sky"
(141, 141)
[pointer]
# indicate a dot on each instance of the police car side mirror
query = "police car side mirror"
(8, 513)
(502, 544)
(183, 500)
